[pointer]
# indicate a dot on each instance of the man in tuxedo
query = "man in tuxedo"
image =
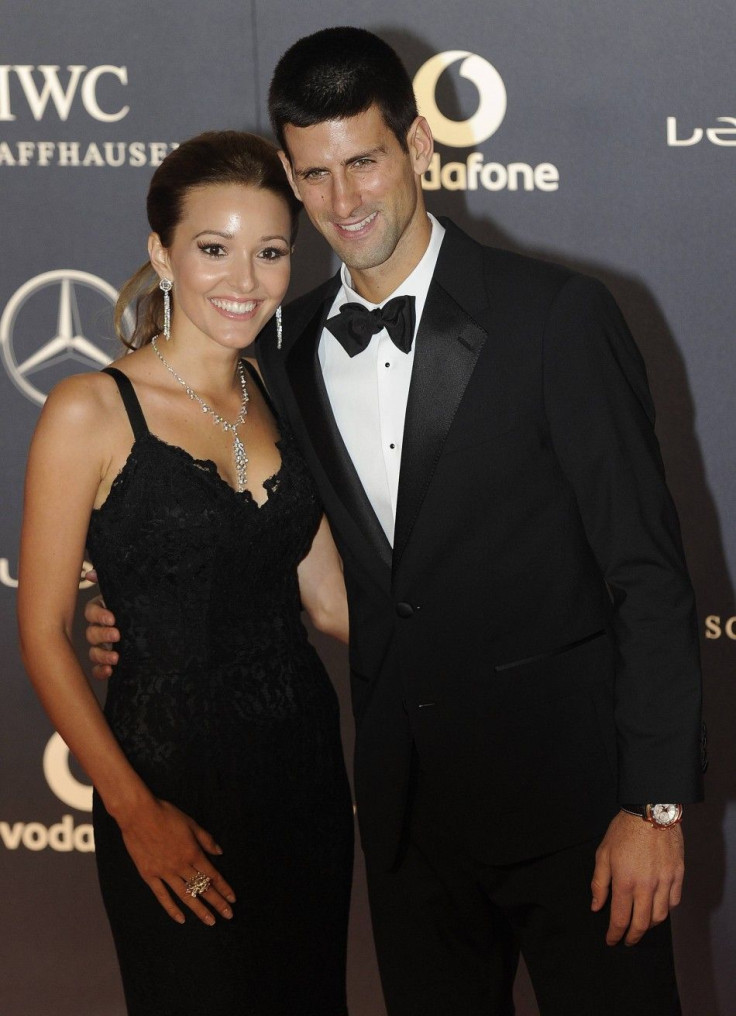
(523, 646)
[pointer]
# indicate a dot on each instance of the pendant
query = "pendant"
(241, 461)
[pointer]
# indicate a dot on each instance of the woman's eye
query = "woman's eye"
(274, 253)
(214, 250)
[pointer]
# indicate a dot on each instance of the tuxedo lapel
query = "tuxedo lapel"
(448, 345)
(307, 383)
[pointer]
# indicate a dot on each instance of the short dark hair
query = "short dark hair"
(215, 157)
(337, 73)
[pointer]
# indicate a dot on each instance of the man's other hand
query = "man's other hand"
(643, 869)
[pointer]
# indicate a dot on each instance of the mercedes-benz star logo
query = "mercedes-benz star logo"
(29, 365)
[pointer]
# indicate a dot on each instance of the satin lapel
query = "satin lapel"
(307, 383)
(448, 345)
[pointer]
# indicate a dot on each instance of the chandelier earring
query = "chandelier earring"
(165, 286)
(279, 328)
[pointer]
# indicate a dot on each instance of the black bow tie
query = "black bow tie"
(355, 325)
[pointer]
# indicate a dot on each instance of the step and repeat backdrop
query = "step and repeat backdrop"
(600, 135)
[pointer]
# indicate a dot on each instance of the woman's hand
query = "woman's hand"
(169, 849)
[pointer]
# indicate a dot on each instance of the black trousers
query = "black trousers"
(449, 929)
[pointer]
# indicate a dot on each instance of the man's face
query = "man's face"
(360, 189)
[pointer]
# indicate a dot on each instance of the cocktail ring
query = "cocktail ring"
(198, 885)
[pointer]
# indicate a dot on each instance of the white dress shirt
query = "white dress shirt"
(368, 392)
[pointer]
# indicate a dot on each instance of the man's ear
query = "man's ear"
(421, 145)
(289, 173)
(159, 257)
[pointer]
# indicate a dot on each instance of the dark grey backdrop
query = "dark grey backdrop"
(630, 105)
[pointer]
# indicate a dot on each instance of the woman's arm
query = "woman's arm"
(67, 461)
(322, 586)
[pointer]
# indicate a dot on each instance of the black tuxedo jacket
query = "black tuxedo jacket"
(530, 645)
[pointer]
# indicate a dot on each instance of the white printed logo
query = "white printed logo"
(722, 136)
(82, 79)
(63, 836)
(60, 778)
(30, 364)
(716, 626)
(11, 581)
(471, 171)
(491, 98)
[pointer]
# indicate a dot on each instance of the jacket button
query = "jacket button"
(404, 610)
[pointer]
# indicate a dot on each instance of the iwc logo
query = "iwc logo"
(64, 835)
(50, 92)
(82, 80)
(42, 334)
(489, 114)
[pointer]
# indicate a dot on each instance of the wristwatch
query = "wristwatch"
(661, 816)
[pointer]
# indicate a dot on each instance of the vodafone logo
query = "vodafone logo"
(63, 836)
(491, 110)
(473, 172)
(60, 778)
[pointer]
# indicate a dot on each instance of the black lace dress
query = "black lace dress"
(224, 709)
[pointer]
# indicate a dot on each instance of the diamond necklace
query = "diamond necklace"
(241, 459)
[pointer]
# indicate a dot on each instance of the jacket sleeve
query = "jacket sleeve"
(601, 421)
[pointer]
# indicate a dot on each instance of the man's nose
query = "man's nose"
(345, 197)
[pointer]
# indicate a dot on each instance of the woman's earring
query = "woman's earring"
(165, 287)
(279, 328)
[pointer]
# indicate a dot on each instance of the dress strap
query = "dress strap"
(130, 401)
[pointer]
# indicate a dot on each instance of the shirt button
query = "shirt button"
(387, 365)
(392, 446)
(404, 610)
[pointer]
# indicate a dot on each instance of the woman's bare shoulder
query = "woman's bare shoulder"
(82, 399)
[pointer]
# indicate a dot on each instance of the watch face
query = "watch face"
(664, 814)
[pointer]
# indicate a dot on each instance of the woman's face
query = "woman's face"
(229, 262)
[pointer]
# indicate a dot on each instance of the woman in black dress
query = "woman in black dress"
(223, 822)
